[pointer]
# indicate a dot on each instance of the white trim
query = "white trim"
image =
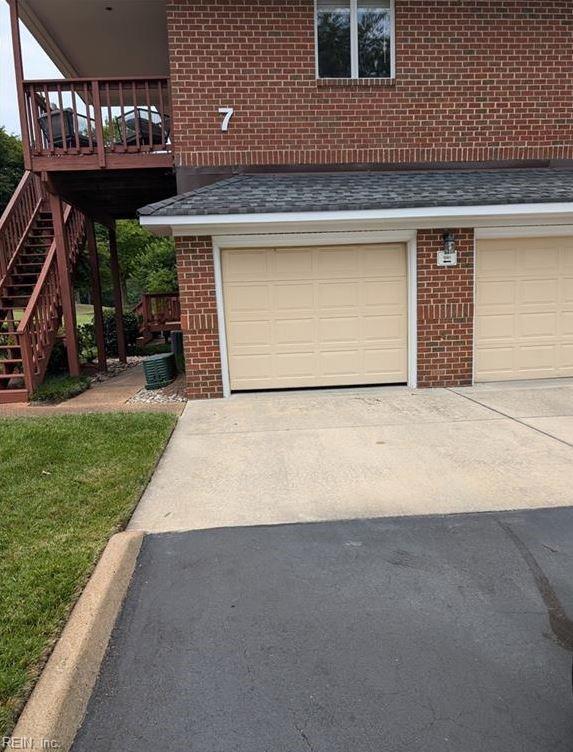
(298, 239)
(265, 240)
(392, 39)
(524, 231)
(353, 39)
(225, 377)
(367, 219)
(354, 71)
(474, 322)
(412, 283)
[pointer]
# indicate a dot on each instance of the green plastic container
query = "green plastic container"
(159, 370)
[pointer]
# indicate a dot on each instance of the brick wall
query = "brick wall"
(199, 317)
(475, 81)
(445, 311)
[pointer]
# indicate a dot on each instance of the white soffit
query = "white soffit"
(84, 39)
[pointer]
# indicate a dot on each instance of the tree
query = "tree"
(147, 264)
(11, 166)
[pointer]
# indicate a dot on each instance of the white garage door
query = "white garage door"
(524, 308)
(324, 316)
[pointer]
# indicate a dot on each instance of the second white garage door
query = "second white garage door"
(524, 308)
(325, 316)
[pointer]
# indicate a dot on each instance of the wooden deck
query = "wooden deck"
(93, 124)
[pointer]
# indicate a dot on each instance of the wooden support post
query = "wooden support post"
(19, 75)
(96, 296)
(66, 287)
(117, 300)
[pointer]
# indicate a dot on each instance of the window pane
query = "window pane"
(333, 24)
(374, 31)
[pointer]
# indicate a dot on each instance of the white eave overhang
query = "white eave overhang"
(367, 219)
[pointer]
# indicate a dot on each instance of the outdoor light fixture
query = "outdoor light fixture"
(448, 255)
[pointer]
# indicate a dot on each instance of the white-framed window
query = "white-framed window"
(354, 38)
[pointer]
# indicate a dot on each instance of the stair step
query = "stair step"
(10, 376)
(9, 347)
(10, 396)
(10, 361)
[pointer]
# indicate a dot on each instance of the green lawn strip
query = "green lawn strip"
(68, 483)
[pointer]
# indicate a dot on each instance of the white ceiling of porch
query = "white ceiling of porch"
(85, 39)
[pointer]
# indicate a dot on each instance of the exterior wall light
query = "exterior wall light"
(448, 254)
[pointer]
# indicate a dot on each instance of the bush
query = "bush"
(130, 326)
(60, 388)
(58, 362)
(87, 342)
(152, 348)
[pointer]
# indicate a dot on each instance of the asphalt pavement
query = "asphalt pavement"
(428, 633)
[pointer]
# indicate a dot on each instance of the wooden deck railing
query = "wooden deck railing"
(158, 312)
(17, 220)
(39, 326)
(102, 117)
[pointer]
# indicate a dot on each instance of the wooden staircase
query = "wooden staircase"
(30, 300)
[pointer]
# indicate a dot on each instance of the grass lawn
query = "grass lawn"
(84, 313)
(68, 483)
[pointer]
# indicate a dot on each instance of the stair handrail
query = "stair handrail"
(36, 345)
(18, 218)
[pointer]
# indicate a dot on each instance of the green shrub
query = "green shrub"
(58, 362)
(87, 342)
(152, 348)
(60, 388)
(130, 326)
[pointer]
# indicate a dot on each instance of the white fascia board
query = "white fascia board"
(367, 219)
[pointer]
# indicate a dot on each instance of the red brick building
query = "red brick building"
(367, 192)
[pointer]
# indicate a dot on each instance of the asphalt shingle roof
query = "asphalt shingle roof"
(306, 192)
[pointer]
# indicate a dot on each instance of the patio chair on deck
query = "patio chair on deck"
(63, 130)
(144, 123)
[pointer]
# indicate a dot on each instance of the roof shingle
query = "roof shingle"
(347, 191)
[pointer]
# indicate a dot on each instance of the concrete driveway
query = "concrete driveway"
(436, 633)
(340, 454)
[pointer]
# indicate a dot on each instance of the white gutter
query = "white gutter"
(367, 219)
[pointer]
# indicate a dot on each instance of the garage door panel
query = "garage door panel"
(251, 265)
(388, 363)
(495, 326)
(294, 331)
(328, 316)
(567, 290)
(538, 291)
(250, 333)
(539, 260)
(535, 358)
(565, 324)
(537, 325)
(337, 262)
(248, 298)
(291, 264)
(339, 329)
(297, 364)
(496, 264)
(298, 296)
(391, 263)
(384, 293)
(499, 293)
(524, 320)
(566, 359)
(340, 363)
(338, 294)
(389, 328)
